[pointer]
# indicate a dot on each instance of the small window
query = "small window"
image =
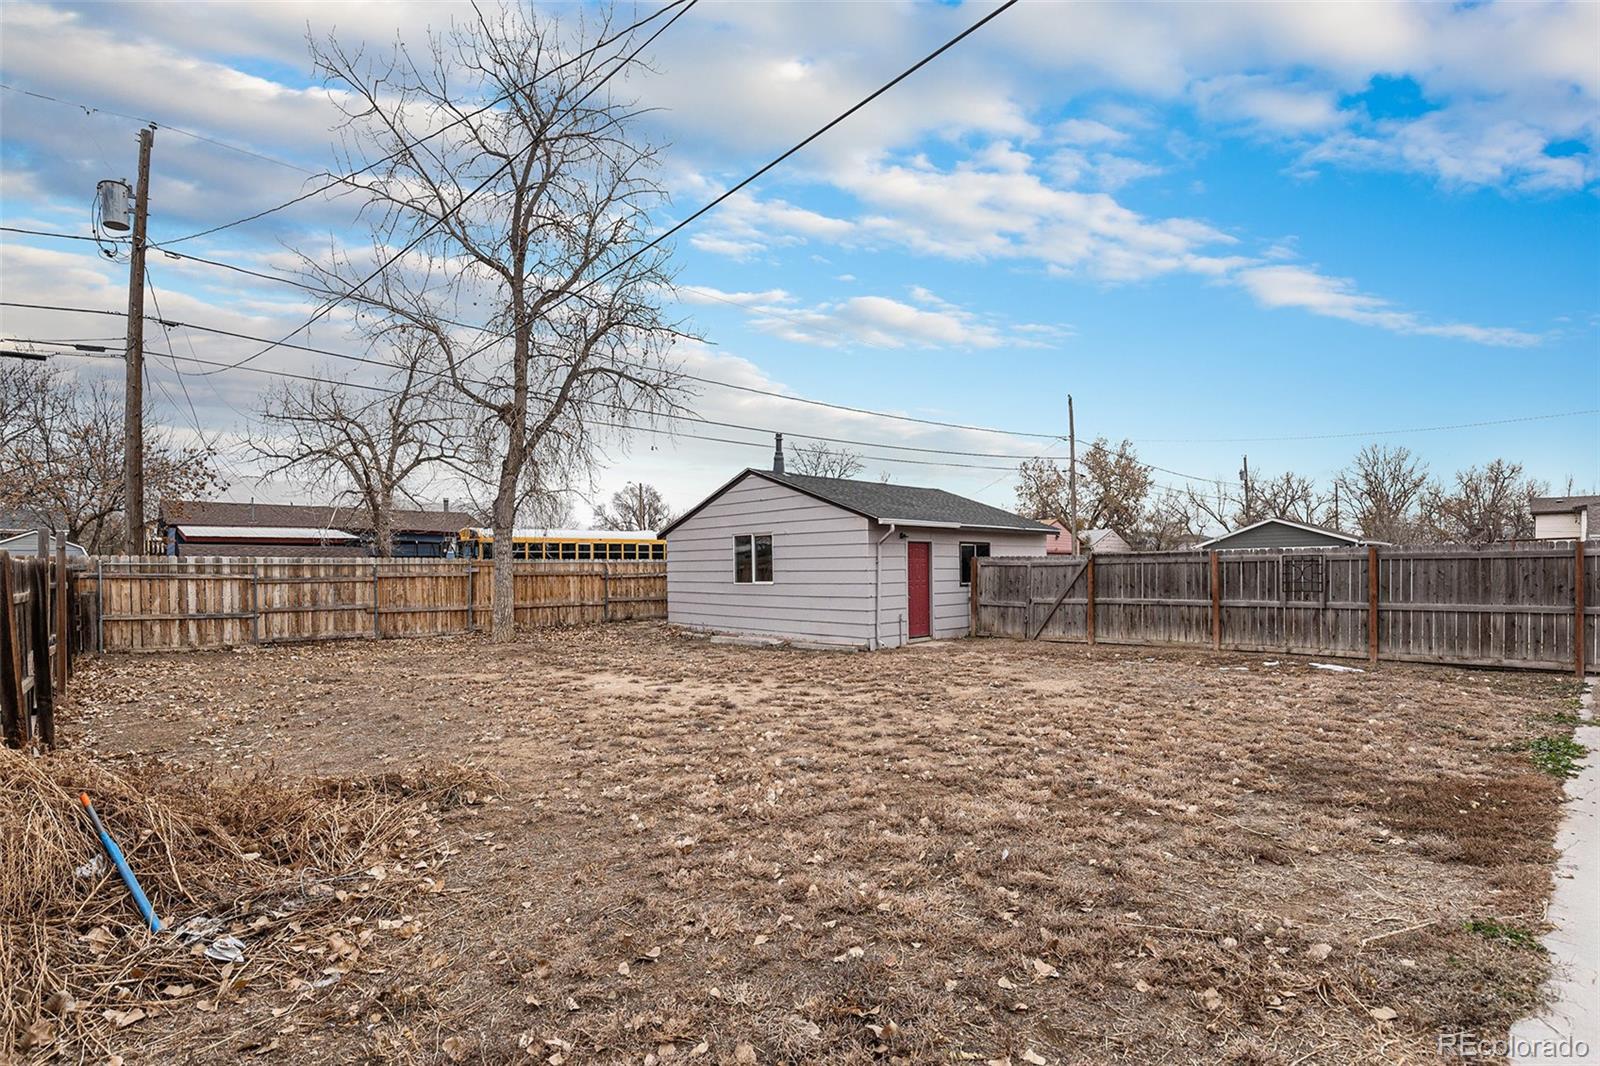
(752, 559)
(614, 550)
(969, 552)
(569, 550)
(658, 551)
(583, 550)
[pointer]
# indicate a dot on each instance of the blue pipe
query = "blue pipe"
(123, 868)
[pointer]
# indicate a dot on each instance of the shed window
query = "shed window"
(969, 552)
(752, 558)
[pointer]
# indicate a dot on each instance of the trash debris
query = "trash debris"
(1338, 668)
(226, 949)
(93, 868)
(123, 868)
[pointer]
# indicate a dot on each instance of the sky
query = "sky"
(1274, 230)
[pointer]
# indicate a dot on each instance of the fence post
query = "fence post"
(1372, 604)
(1579, 637)
(1216, 602)
(44, 696)
(605, 592)
(16, 711)
(63, 626)
(972, 595)
(377, 626)
(1088, 603)
(472, 596)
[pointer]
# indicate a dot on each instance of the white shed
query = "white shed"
(860, 564)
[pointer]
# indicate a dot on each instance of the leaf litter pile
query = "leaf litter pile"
(979, 851)
(261, 881)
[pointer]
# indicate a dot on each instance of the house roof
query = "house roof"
(313, 534)
(27, 543)
(219, 513)
(905, 505)
(1347, 538)
(1561, 504)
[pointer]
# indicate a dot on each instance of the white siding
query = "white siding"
(1556, 526)
(821, 564)
(951, 599)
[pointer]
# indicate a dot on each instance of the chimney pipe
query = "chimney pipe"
(446, 505)
(777, 454)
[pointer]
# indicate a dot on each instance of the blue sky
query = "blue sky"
(1205, 222)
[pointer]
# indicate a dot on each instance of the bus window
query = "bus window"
(658, 551)
(584, 550)
(569, 550)
(630, 551)
(536, 550)
(614, 550)
(519, 551)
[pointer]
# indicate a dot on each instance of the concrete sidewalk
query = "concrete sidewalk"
(1569, 1031)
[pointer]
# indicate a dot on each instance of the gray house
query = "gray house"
(1281, 533)
(833, 561)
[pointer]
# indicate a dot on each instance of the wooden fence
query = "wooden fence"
(44, 624)
(1535, 608)
(155, 603)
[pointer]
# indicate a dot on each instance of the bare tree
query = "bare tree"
(1112, 487)
(531, 263)
(1042, 490)
(1288, 496)
(819, 460)
(1485, 505)
(1381, 488)
(62, 465)
(370, 446)
(634, 506)
(1180, 517)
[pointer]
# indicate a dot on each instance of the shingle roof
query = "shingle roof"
(1561, 504)
(887, 502)
(355, 519)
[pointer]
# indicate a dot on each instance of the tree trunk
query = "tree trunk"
(383, 531)
(504, 624)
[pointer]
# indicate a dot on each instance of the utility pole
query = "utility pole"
(133, 393)
(1244, 478)
(1072, 477)
(1336, 527)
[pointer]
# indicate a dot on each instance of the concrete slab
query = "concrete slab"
(1569, 1031)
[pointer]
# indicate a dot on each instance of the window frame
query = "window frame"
(963, 564)
(772, 569)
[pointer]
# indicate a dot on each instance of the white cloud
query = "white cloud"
(1321, 294)
(1262, 102)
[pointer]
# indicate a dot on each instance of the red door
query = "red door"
(919, 580)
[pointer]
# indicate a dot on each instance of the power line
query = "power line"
(89, 109)
(439, 221)
(764, 169)
(344, 179)
(58, 236)
(834, 406)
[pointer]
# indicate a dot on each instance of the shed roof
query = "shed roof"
(906, 505)
(27, 543)
(223, 513)
(1335, 534)
(1561, 504)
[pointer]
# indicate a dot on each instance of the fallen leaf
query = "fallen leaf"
(1384, 1014)
(1005, 982)
(1318, 952)
(177, 991)
(1044, 969)
(1211, 999)
(744, 1053)
(123, 1018)
(453, 1046)
(1034, 1057)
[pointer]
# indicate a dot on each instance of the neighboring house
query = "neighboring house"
(1281, 533)
(1564, 517)
(27, 543)
(262, 542)
(417, 534)
(1099, 541)
(834, 561)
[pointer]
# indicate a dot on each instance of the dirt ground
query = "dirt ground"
(967, 850)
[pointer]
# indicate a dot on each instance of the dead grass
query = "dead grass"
(973, 848)
(296, 870)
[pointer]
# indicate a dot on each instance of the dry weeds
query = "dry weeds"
(973, 849)
(301, 873)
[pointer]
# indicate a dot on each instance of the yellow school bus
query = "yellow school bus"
(566, 545)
